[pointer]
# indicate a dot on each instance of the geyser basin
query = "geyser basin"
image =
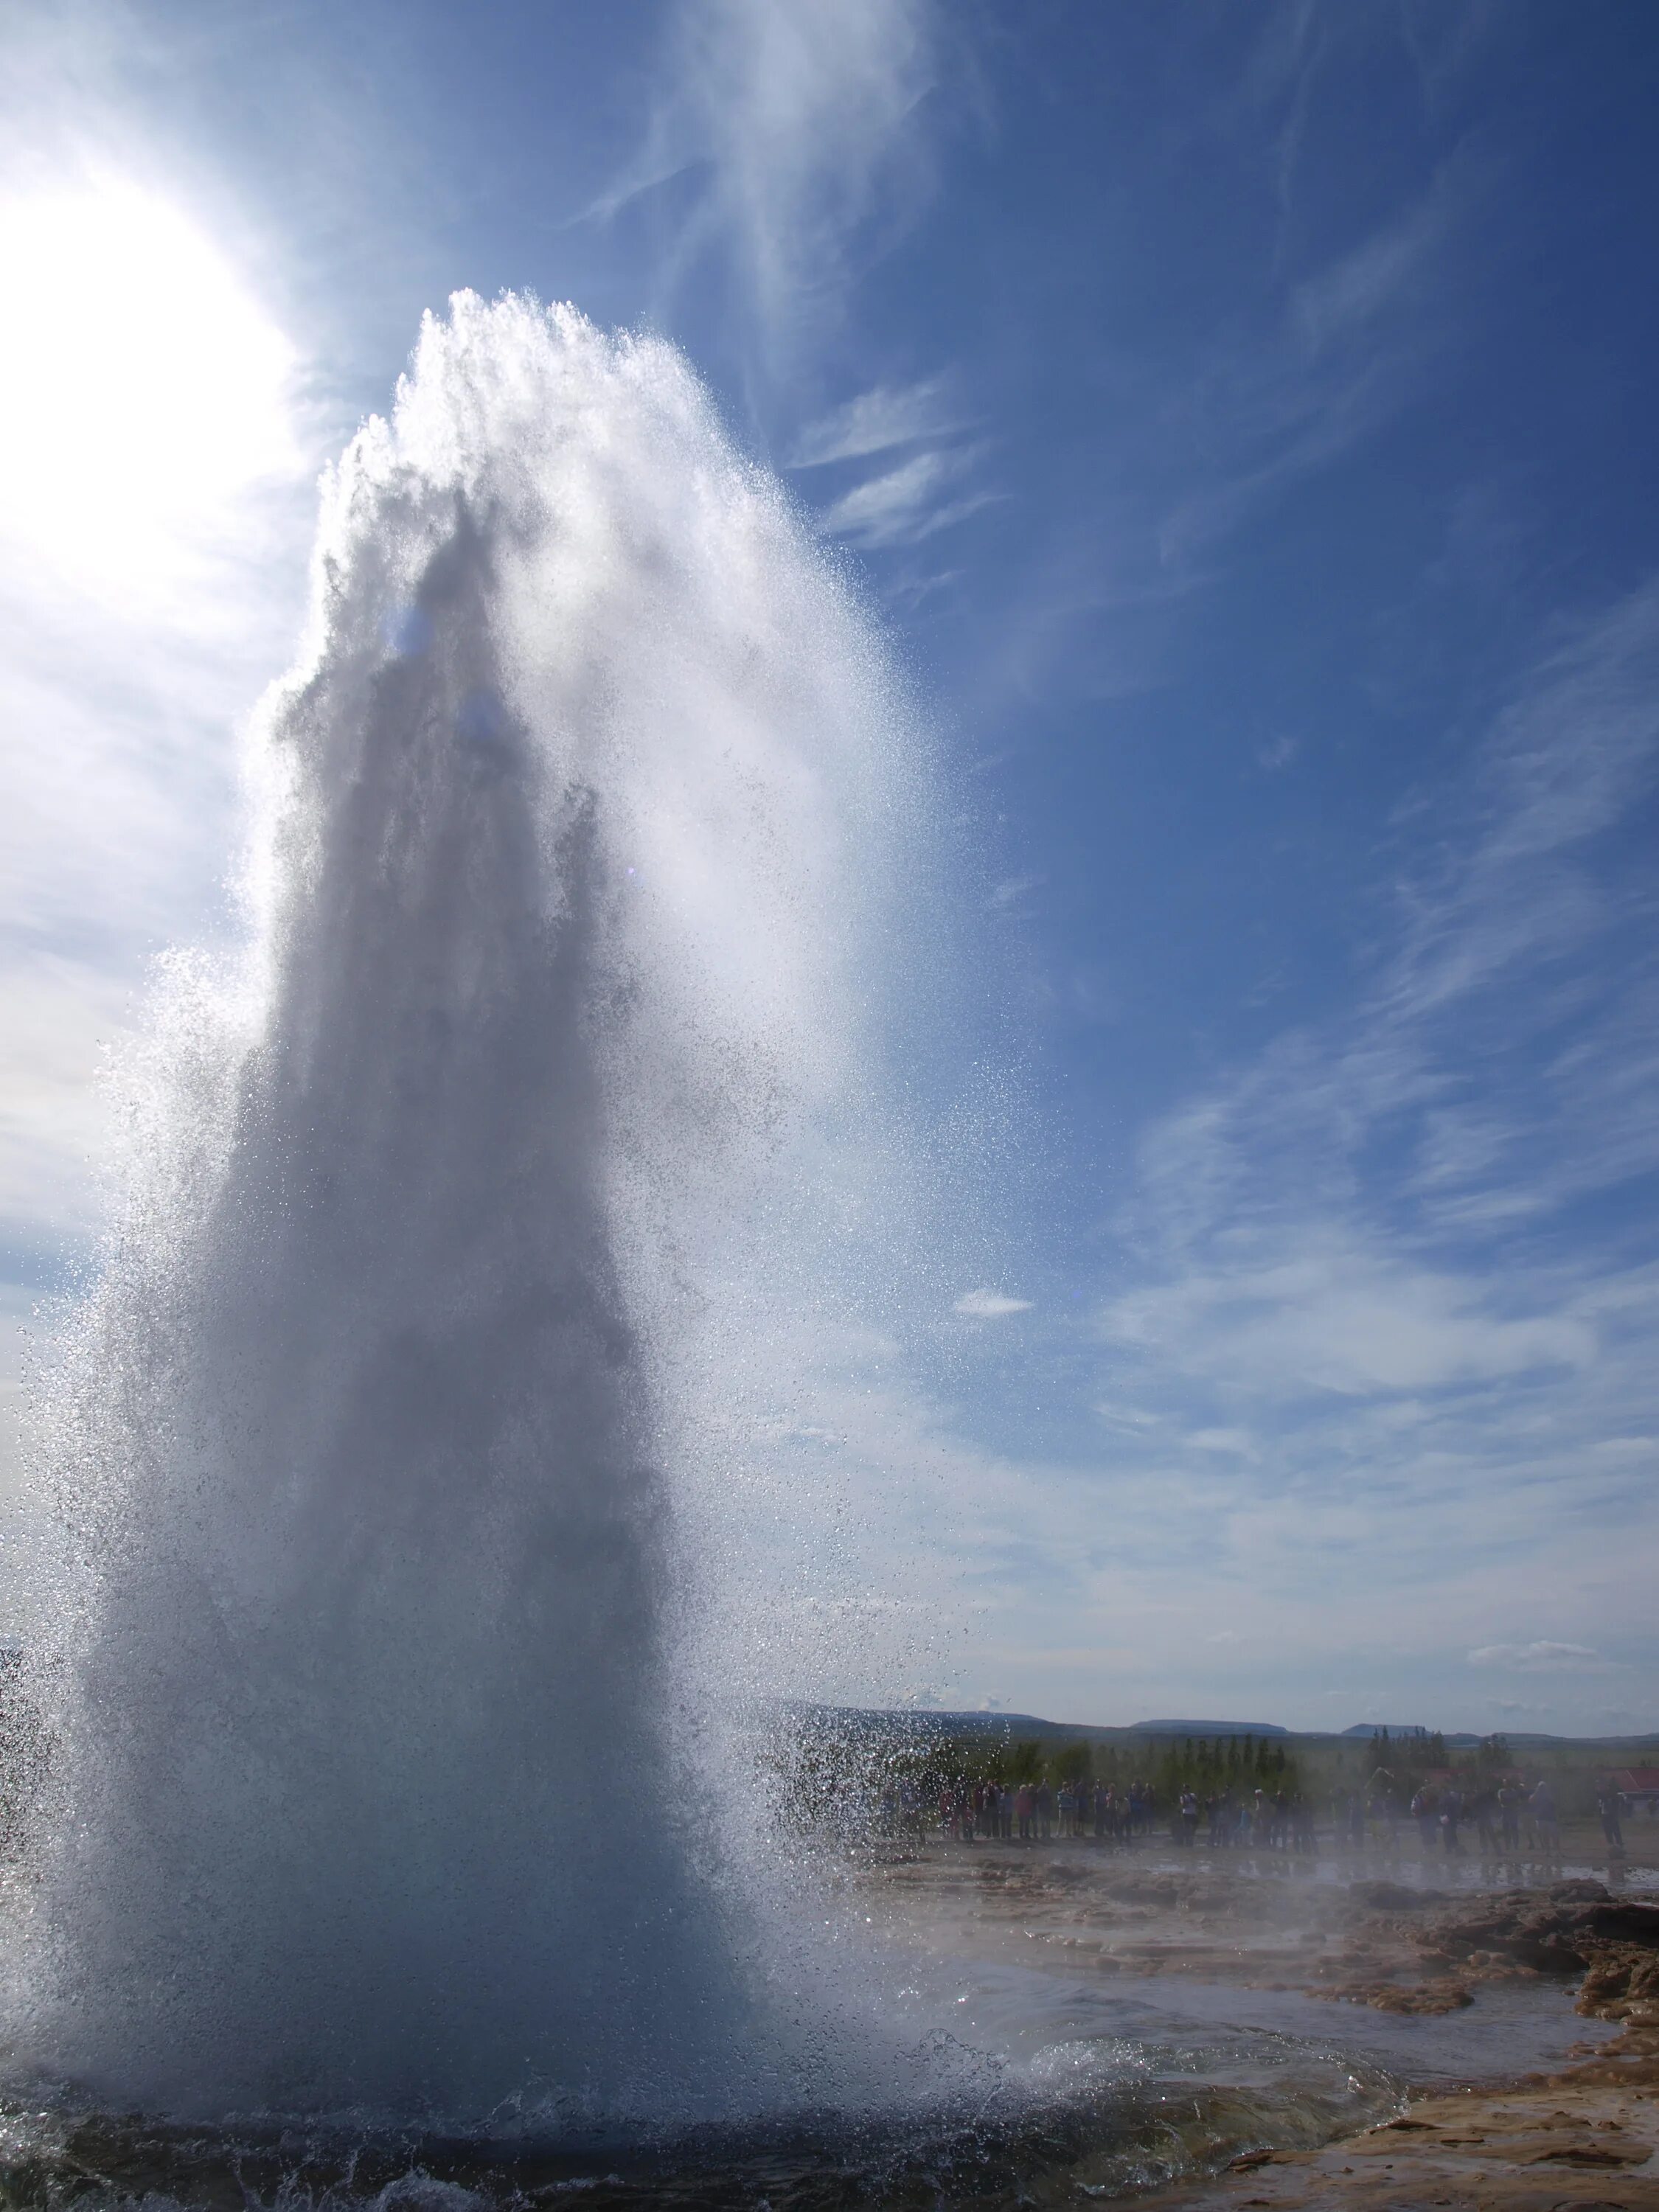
(380, 1654)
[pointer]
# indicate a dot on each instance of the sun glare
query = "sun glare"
(141, 386)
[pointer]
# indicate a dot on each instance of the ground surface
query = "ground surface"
(1420, 1941)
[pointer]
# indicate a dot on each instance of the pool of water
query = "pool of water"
(1064, 2090)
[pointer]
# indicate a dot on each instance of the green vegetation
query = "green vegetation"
(1316, 1767)
(1171, 1765)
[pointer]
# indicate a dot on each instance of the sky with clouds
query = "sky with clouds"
(1240, 412)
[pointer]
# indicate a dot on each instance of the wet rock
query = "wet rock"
(1560, 1932)
(1441, 1995)
(1393, 1897)
(1622, 1984)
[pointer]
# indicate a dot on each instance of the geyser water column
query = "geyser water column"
(573, 830)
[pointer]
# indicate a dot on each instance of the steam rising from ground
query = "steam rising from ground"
(391, 1770)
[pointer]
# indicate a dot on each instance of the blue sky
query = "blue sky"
(1242, 415)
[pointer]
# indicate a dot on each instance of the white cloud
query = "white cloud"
(152, 581)
(1231, 1442)
(1356, 339)
(1009, 896)
(813, 127)
(1360, 1257)
(1325, 1317)
(914, 501)
(1543, 1656)
(989, 1305)
(877, 421)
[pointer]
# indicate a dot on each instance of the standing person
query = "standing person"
(1280, 1829)
(1451, 1811)
(1188, 1817)
(1608, 1807)
(1024, 1800)
(1423, 1812)
(1508, 1816)
(1485, 1819)
(1548, 1831)
(1262, 1821)
(1045, 1811)
(1393, 1814)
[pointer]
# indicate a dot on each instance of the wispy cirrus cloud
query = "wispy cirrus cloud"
(905, 505)
(990, 1306)
(922, 480)
(879, 420)
(1387, 1256)
(804, 135)
(1354, 340)
(1541, 1656)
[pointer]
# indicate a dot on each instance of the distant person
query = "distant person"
(1345, 1807)
(1188, 1817)
(1485, 1813)
(1425, 1814)
(1509, 1817)
(1608, 1807)
(1261, 1820)
(1281, 1828)
(1451, 1814)
(1544, 1823)
(1385, 1810)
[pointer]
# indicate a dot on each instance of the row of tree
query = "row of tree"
(1240, 1764)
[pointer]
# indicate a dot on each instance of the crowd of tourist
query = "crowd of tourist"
(1498, 1818)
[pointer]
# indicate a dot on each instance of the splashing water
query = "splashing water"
(579, 827)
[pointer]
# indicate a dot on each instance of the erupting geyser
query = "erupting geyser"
(370, 1787)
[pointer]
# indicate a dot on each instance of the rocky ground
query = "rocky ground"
(1584, 2135)
(1586, 2139)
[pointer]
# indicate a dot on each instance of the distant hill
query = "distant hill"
(1404, 1734)
(929, 1721)
(1207, 1727)
(1517, 1739)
